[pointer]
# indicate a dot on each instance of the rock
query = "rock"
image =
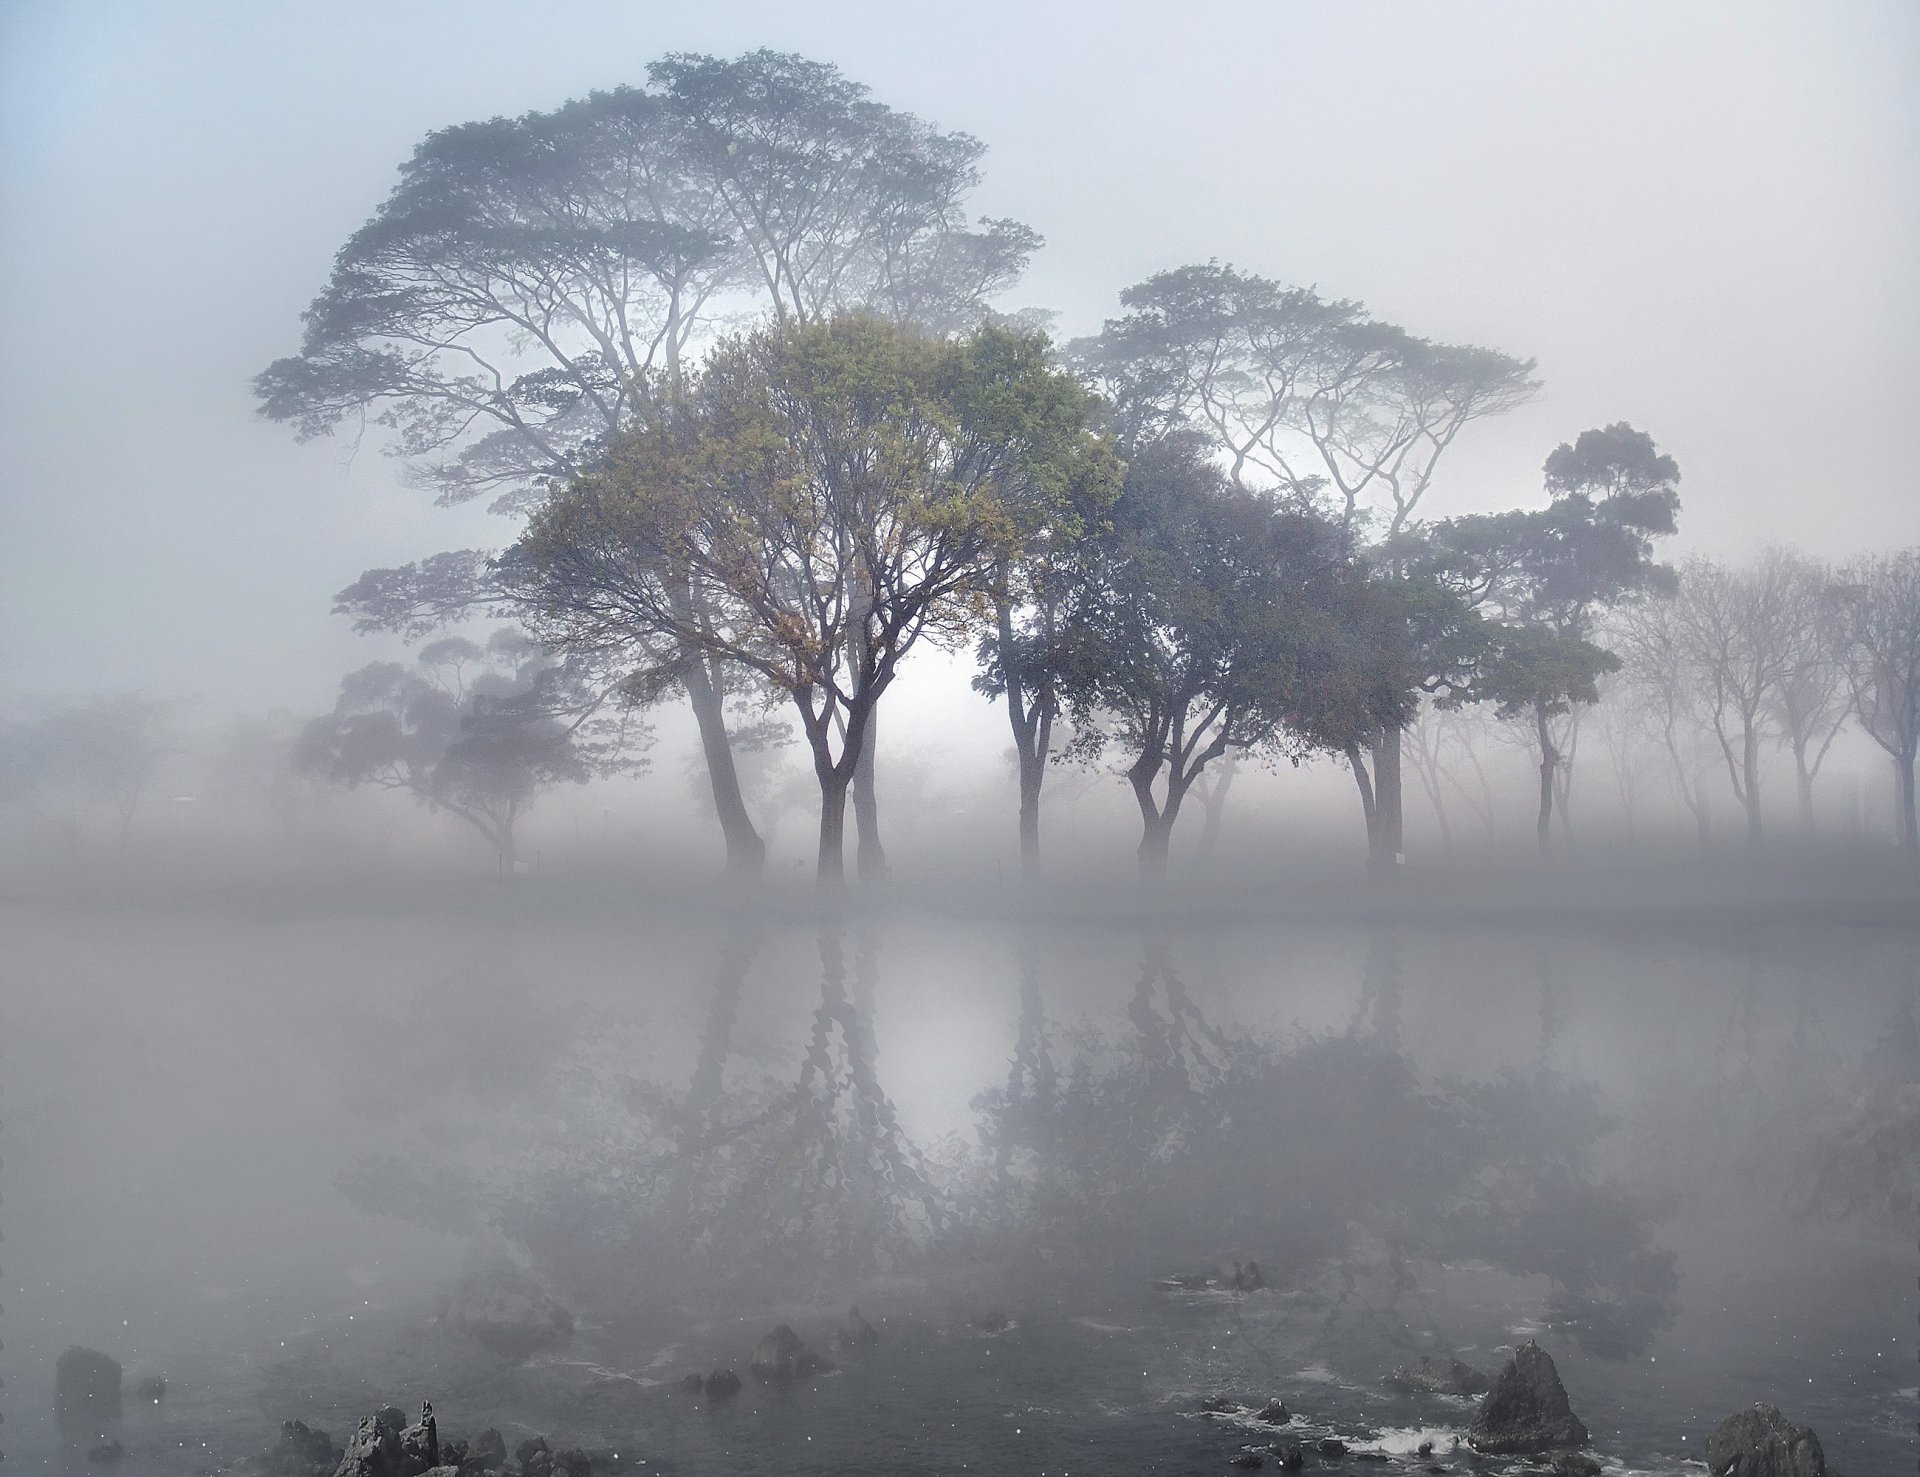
(722, 1384)
(1425, 1448)
(1289, 1455)
(374, 1450)
(1526, 1410)
(994, 1320)
(1332, 1446)
(1761, 1442)
(1217, 1404)
(1243, 1278)
(488, 1453)
(855, 1332)
(693, 1384)
(150, 1390)
(420, 1444)
(1274, 1413)
(507, 1312)
(1575, 1464)
(535, 1457)
(780, 1357)
(106, 1453)
(1450, 1377)
(301, 1451)
(452, 1453)
(572, 1462)
(86, 1383)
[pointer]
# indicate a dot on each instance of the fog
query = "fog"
(1340, 806)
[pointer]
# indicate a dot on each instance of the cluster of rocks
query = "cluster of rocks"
(1443, 1377)
(384, 1445)
(1233, 1276)
(782, 1357)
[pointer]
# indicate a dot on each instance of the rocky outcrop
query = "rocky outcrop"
(86, 1384)
(722, 1384)
(374, 1449)
(1526, 1410)
(1274, 1412)
(507, 1312)
(487, 1452)
(780, 1357)
(1761, 1442)
(1439, 1377)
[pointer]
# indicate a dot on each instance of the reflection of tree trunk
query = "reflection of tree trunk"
(871, 858)
(705, 1092)
(746, 852)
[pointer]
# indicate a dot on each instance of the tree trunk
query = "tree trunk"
(831, 868)
(1750, 772)
(1369, 806)
(1909, 826)
(1803, 783)
(746, 852)
(871, 859)
(1390, 815)
(1033, 771)
(1216, 806)
(1156, 834)
(1549, 757)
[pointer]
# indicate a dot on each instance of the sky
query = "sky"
(1703, 219)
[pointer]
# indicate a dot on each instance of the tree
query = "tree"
(1810, 702)
(1733, 626)
(1877, 610)
(1550, 573)
(1208, 618)
(101, 751)
(529, 278)
(474, 731)
(1304, 394)
(1651, 640)
(832, 493)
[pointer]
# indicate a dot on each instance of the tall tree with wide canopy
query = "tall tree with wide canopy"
(832, 493)
(1303, 394)
(1207, 618)
(529, 278)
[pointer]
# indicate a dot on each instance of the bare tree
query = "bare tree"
(1810, 700)
(1732, 628)
(1651, 640)
(1877, 609)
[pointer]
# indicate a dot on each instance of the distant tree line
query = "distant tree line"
(723, 344)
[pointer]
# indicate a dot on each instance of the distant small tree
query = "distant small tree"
(1810, 700)
(1877, 608)
(100, 751)
(475, 731)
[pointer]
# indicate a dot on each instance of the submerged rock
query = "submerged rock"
(1448, 1377)
(1248, 1459)
(780, 1357)
(854, 1332)
(1761, 1442)
(1217, 1404)
(1289, 1455)
(506, 1311)
(1527, 1409)
(1575, 1464)
(1274, 1413)
(86, 1383)
(1332, 1446)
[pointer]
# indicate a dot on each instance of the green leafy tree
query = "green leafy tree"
(1208, 618)
(1302, 394)
(530, 278)
(832, 493)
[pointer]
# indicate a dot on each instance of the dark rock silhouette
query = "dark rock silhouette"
(151, 1389)
(1575, 1464)
(1527, 1409)
(374, 1450)
(420, 1443)
(1332, 1446)
(1448, 1377)
(507, 1312)
(301, 1451)
(1289, 1455)
(488, 1453)
(86, 1384)
(1275, 1413)
(780, 1357)
(693, 1384)
(722, 1384)
(535, 1457)
(1761, 1442)
(1217, 1404)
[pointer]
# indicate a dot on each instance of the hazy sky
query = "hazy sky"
(1700, 218)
